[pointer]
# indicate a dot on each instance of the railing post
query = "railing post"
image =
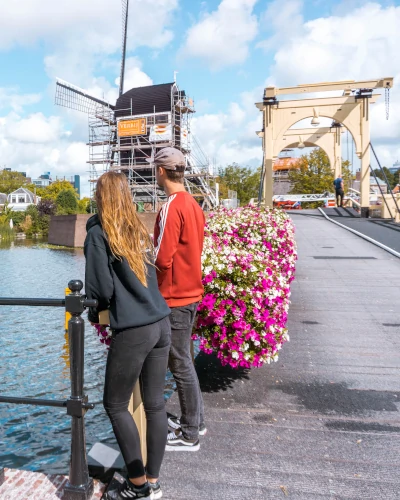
(79, 485)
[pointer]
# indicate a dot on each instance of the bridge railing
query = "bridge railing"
(80, 484)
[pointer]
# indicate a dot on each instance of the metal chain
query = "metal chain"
(387, 101)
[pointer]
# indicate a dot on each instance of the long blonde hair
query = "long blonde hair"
(126, 234)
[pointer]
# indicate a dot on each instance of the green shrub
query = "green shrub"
(66, 203)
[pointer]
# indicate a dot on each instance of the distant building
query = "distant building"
(378, 185)
(20, 199)
(396, 168)
(375, 186)
(43, 181)
(280, 173)
(282, 167)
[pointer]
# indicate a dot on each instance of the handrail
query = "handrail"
(386, 179)
(79, 485)
(4, 301)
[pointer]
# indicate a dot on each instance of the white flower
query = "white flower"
(235, 355)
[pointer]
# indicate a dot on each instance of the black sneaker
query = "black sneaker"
(174, 424)
(156, 492)
(202, 429)
(122, 489)
(177, 442)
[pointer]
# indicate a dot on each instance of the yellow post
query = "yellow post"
(67, 314)
(136, 409)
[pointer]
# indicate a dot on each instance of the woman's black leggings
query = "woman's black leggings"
(139, 353)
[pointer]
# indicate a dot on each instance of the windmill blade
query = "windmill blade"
(125, 13)
(73, 97)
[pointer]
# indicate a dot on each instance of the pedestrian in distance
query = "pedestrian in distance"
(120, 274)
(339, 190)
(178, 239)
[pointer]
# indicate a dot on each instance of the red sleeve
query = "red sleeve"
(167, 235)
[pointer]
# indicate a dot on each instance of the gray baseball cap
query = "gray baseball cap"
(169, 158)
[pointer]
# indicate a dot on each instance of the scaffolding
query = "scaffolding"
(108, 149)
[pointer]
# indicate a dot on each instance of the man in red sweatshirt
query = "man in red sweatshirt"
(178, 239)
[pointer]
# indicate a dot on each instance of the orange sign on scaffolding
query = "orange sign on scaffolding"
(128, 128)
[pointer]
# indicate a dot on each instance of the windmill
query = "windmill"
(124, 135)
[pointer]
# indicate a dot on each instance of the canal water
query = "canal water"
(34, 360)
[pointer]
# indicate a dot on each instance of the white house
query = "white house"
(20, 199)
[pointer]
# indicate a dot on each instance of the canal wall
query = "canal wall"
(70, 230)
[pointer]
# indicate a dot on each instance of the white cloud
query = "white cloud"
(38, 144)
(284, 20)
(84, 36)
(134, 76)
(231, 137)
(94, 23)
(10, 98)
(222, 38)
(361, 44)
(36, 128)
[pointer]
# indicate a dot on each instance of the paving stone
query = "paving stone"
(27, 485)
(324, 422)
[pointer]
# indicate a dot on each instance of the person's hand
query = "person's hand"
(93, 324)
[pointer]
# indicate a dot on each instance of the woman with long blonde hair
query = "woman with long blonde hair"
(121, 275)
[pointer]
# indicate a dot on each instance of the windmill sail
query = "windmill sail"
(73, 97)
(125, 12)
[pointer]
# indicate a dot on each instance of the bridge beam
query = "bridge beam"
(326, 138)
(352, 111)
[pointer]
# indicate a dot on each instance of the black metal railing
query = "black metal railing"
(80, 484)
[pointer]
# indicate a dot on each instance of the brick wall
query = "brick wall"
(70, 230)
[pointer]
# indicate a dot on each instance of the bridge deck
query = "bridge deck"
(324, 422)
(381, 230)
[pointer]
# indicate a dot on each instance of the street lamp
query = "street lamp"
(301, 144)
(315, 121)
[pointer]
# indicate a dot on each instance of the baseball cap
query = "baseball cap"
(169, 158)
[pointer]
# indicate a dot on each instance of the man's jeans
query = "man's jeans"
(182, 368)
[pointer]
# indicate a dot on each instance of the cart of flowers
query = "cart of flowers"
(248, 264)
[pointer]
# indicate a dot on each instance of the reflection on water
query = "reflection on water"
(34, 360)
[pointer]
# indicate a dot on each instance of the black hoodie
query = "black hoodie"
(116, 287)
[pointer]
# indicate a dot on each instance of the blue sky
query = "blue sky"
(226, 52)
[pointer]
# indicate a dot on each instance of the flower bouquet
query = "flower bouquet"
(248, 264)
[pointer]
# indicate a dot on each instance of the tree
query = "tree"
(314, 174)
(46, 207)
(244, 180)
(84, 206)
(51, 192)
(66, 202)
(347, 175)
(393, 179)
(11, 181)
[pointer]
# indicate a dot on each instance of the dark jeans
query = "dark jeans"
(139, 353)
(339, 197)
(182, 368)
